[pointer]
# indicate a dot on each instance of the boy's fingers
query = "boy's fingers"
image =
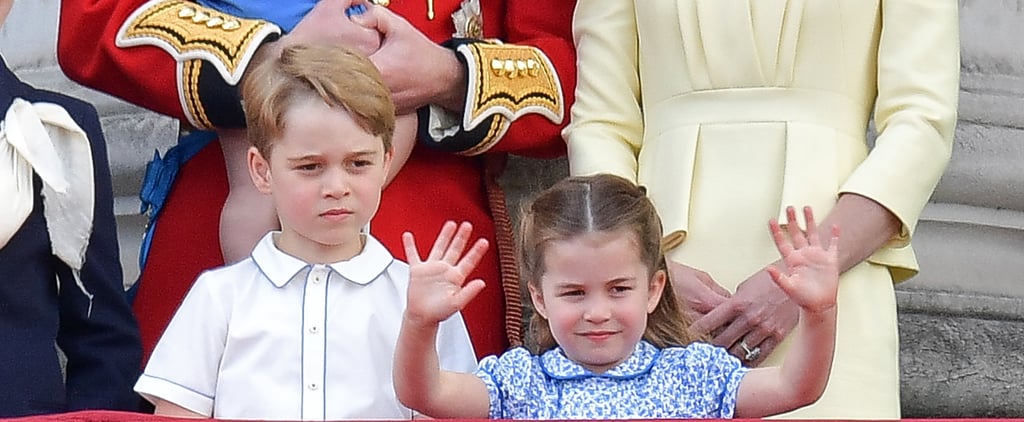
(412, 255)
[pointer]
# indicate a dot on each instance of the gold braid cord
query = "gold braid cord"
(503, 237)
(508, 81)
(191, 33)
(189, 82)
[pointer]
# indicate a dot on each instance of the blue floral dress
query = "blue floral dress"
(697, 381)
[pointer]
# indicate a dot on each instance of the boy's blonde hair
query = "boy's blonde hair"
(590, 204)
(337, 75)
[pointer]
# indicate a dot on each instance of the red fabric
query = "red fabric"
(431, 188)
(186, 241)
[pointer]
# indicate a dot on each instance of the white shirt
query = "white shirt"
(273, 337)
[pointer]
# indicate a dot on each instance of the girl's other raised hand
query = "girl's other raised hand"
(812, 270)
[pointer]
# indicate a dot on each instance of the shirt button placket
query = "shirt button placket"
(314, 342)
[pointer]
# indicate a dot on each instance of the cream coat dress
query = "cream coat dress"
(730, 110)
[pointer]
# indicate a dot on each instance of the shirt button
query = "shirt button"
(314, 386)
(317, 279)
(314, 329)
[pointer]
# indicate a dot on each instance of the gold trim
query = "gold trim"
(188, 31)
(511, 81)
(192, 105)
(498, 128)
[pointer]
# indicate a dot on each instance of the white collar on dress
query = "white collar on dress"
(556, 365)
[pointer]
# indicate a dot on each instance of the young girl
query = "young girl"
(610, 340)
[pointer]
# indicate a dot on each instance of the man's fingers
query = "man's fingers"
(376, 18)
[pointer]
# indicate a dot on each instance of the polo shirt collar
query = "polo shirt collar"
(280, 267)
(556, 365)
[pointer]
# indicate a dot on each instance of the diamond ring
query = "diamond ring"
(751, 353)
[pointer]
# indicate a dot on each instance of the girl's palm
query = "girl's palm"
(437, 284)
(812, 277)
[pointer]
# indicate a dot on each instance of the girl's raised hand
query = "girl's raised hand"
(437, 284)
(812, 277)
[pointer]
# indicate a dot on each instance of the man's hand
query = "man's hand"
(326, 23)
(417, 70)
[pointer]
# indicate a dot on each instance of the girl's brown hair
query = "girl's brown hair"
(600, 203)
(338, 76)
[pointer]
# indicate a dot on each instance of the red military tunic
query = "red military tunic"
(146, 53)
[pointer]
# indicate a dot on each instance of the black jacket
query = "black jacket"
(102, 348)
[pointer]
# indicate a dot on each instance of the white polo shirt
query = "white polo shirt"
(273, 337)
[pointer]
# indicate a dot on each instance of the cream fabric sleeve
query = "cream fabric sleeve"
(915, 113)
(606, 129)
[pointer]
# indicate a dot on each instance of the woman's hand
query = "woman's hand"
(752, 322)
(763, 311)
(696, 291)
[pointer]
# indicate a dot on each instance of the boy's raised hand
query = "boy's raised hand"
(437, 284)
(812, 279)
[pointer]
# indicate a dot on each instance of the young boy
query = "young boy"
(60, 271)
(306, 327)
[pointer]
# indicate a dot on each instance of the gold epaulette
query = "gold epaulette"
(508, 81)
(188, 31)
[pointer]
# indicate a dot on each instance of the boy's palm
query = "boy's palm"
(437, 284)
(812, 277)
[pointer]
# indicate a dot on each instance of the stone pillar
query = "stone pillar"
(962, 317)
